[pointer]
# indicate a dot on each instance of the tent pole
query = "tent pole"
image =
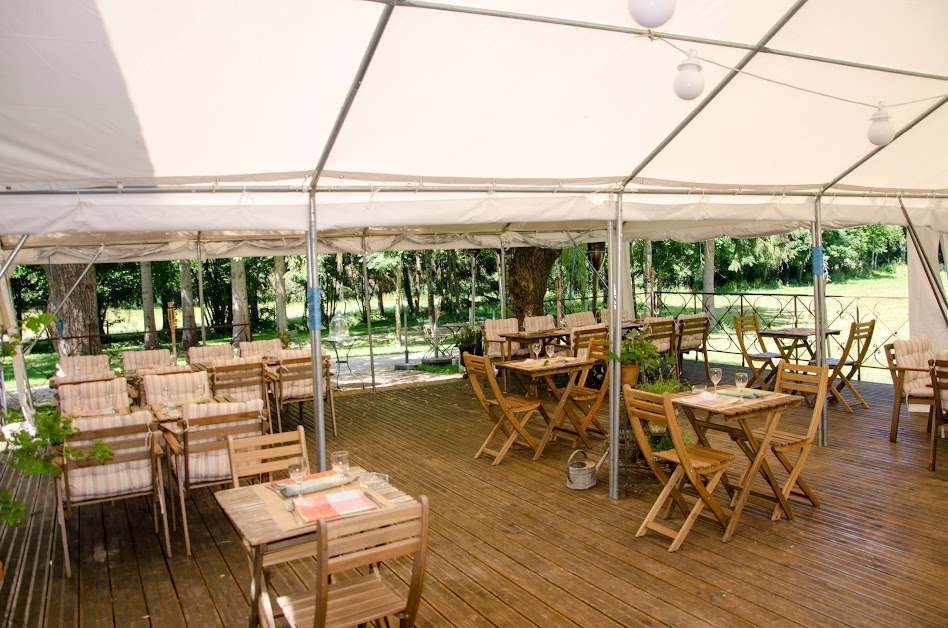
(616, 251)
(315, 324)
(819, 302)
(368, 311)
(16, 249)
(502, 274)
(200, 274)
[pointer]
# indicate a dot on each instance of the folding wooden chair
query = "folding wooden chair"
(939, 374)
(757, 362)
(78, 367)
(859, 336)
(810, 381)
(94, 397)
(495, 346)
(134, 360)
(132, 471)
(661, 332)
(364, 596)
(694, 462)
(911, 377)
(243, 382)
(588, 399)
(514, 410)
(580, 337)
(579, 319)
(692, 335)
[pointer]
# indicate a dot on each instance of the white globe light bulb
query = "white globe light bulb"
(651, 13)
(689, 82)
(881, 130)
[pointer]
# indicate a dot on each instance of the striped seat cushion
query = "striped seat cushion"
(212, 352)
(114, 479)
(213, 465)
(78, 366)
(176, 387)
(91, 396)
(579, 319)
(269, 348)
(914, 353)
(134, 360)
(695, 339)
(538, 323)
(492, 330)
(663, 345)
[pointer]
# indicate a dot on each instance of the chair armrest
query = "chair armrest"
(172, 440)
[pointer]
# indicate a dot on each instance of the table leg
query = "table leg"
(747, 480)
(256, 582)
(559, 413)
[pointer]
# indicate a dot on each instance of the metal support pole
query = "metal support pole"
(315, 324)
(473, 287)
(368, 312)
(200, 273)
(16, 249)
(819, 303)
(616, 250)
(502, 275)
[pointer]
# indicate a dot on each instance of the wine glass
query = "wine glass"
(79, 401)
(199, 391)
(166, 395)
(536, 350)
(340, 463)
(549, 351)
(716, 375)
(740, 380)
(111, 399)
(297, 470)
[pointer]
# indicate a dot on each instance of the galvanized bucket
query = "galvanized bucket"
(581, 474)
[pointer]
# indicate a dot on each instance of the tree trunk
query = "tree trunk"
(189, 332)
(708, 276)
(238, 301)
(528, 279)
(79, 315)
(279, 290)
(148, 307)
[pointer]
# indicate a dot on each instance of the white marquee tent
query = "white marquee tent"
(236, 127)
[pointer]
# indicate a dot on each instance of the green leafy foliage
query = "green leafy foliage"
(12, 512)
(637, 351)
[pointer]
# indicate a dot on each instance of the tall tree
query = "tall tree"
(528, 279)
(238, 301)
(279, 293)
(148, 307)
(189, 337)
(78, 315)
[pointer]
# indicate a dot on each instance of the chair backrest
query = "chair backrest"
(255, 456)
(134, 360)
(656, 410)
(204, 431)
(580, 337)
(77, 366)
(128, 472)
(660, 331)
(374, 537)
(748, 324)
(913, 353)
(90, 396)
(269, 348)
(808, 380)
(692, 331)
(939, 375)
(494, 345)
(210, 352)
(538, 323)
(480, 372)
(176, 387)
(295, 378)
(598, 349)
(579, 319)
(241, 382)
(860, 336)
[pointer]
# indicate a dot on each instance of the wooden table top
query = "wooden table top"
(795, 332)
(257, 511)
(729, 406)
(546, 366)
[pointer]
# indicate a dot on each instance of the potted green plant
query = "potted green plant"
(465, 337)
(636, 356)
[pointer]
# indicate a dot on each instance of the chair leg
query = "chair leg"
(184, 517)
(847, 383)
(704, 499)
(839, 397)
(934, 443)
(332, 411)
(794, 479)
(518, 430)
(649, 521)
(61, 517)
(896, 409)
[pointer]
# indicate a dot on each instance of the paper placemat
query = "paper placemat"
(286, 520)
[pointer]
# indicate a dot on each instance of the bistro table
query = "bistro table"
(790, 340)
(544, 369)
(259, 516)
(730, 415)
(545, 336)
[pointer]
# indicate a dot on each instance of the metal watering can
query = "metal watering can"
(581, 474)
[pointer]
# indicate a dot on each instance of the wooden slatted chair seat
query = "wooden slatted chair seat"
(509, 413)
(909, 368)
(360, 598)
(693, 463)
(860, 335)
(762, 363)
(810, 381)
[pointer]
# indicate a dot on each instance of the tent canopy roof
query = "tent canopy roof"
(548, 94)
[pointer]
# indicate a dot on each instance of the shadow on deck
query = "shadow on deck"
(511, 545)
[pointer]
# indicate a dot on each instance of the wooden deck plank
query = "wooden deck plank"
(511, 545)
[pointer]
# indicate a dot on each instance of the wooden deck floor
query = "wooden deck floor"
(512, 546)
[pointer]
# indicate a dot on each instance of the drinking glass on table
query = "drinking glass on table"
(549, 351)
(165, 394)
(716, 375)
(740, 380)
(199, 391)
(297, 471)
(536, 351)
(340, 463)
